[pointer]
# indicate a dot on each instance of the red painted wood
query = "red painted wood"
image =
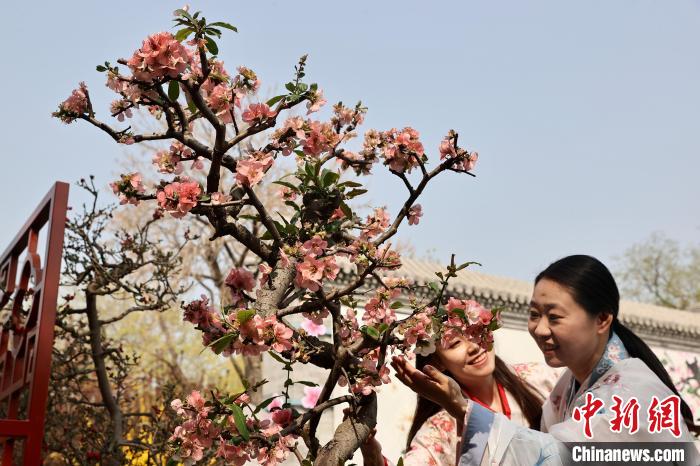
(26, 341)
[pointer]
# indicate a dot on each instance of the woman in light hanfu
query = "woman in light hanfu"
(610, 370)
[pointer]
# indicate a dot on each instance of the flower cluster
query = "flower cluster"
(203, 429)
(256, 113)
(160, 55)
(313, 269)
(251, 170)
(128, 188)
(449, 150)
(401, 150)
(179, 197)
(239, 280)
(169, 161)
(74, 106)
(468, 317)
(240, 331)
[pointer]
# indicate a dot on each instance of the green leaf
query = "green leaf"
(287, 185)
(221, 24)
(328, 178)
(355, 193)
(371, 332)
(264, 404)
(219, 344)
(181, 12)
(400, 461)
(293, 205)
(396, 305)
(382, 327)
(346, 210)
(211, 46)
(244, 315)
(467, 264)
(101, 68)
(307, 383)
(239, 419)
(460, 313)
(350, 184)
(173, 90)
(434, 286)
(274, 100)
(290, 87)
(277, 357)
(182, 34)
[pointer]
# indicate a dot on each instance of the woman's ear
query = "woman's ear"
(604, 321)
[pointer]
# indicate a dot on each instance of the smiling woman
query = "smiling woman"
(612, 377)
(517, 392)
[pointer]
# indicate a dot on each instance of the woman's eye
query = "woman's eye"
(551, 317)
(534, 315)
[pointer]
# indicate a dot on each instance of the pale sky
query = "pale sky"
(586, 115)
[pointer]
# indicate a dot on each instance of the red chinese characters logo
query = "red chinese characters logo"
(662, 414)
(586, 412)
(665, 414)
(625, 416)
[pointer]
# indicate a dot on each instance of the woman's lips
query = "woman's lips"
(549, 349)
(479, 360)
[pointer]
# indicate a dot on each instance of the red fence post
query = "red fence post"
(26, 338)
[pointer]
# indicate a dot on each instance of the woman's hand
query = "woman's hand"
(433, 385)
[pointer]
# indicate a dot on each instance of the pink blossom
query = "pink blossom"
(160, 56)
(275, 404)
(315, 246)
(265, 271)
(167, 161)
(240, 279)
(319, 138)
(76, 104)
(200, 313)
(315, 102)
(179, 197)
(258, 112)
(485, 316)
(313, 328)
(121, 108)
(310, 398)
(283, 335)
(221, 100)
(218, 198)
(309, 273)
(414, 214)
(401, 150)
(282, 417)
(232, 454)
(375, 223)
(250, 171)
(128, 188)
(317, 316)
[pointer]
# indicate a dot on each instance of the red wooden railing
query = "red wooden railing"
(28, 295)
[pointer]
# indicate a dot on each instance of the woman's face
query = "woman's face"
(466, 361)
(564, 331)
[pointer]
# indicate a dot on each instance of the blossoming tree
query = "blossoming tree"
(182, 83)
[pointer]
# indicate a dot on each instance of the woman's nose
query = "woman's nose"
(542, 329)
(472, 348)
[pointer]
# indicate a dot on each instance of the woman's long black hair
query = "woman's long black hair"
(527, 398)
(593, 287)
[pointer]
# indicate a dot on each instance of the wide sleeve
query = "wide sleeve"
(435, 442)
(491, 438)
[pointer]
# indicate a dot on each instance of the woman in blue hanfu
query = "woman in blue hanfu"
(614, 388)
